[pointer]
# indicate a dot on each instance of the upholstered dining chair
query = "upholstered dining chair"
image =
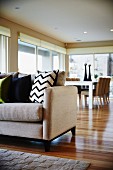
(106, 90)
(98, 92)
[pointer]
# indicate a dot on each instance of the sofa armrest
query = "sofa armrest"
(60, 110)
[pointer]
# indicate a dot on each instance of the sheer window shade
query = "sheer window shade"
(29, 39)
(5, 31)
(47, 45)
(53, 47)
(41, 43)
(60, 49)
(90, 50)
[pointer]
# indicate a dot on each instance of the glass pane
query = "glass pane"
(76, 65)
(26, 58)
(55, 57)
(62, 62)
(3, 54)
(101, 65)
(110, 65)
(44, 59)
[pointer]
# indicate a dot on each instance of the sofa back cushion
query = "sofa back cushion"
(3, 75)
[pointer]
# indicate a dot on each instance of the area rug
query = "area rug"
(14, 160)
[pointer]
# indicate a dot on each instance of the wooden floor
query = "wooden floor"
(93, 141)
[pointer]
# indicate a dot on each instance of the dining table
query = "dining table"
(84, 83)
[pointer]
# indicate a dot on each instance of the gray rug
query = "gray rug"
(14, 160)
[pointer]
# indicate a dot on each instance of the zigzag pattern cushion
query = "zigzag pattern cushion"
(55, 71)
(41, 82)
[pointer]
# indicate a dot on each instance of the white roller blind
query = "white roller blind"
(53, 47)
(5, 31)
(29, 39)
(47, 45)
(41, 43)
(90, 50)
(60, 49)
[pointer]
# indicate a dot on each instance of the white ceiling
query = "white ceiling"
(64, 20)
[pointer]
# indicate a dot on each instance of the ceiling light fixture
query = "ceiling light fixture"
(111, 30)
(78, 40)
(85, 32)
(17, 7)
(56, 28)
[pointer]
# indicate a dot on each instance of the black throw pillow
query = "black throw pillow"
(20, 89)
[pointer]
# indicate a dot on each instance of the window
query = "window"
(32, 58)
(40, 56)
(101, 65)
(55, 57)
(49, 60)
(44, 59)
(4, 41)
(3, 54)
(76, 65)
(26, 58)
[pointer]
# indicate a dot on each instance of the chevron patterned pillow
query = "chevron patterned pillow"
(55, 71)
(41, 82)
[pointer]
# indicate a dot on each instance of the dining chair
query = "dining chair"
(98, 92)
(106, 90)
(102, 95)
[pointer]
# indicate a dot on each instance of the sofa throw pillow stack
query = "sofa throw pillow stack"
(14, 89)
(41, 82)
(19, 87)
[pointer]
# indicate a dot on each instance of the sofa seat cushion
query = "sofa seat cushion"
(26, 112)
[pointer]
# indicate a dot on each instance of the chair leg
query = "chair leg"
(73, 131)
(108, 98)
(105, 98)
(47, 145)
(104, 101)
(100, 101)
(79, 99)
(97, 101)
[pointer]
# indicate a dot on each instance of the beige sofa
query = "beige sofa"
(44, 122)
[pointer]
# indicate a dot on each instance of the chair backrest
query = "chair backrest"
(107, 85)
(100, 87)
(104, 86)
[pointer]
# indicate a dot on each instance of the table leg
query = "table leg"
(90, 96)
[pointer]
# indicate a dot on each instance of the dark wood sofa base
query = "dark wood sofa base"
(47, 143)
